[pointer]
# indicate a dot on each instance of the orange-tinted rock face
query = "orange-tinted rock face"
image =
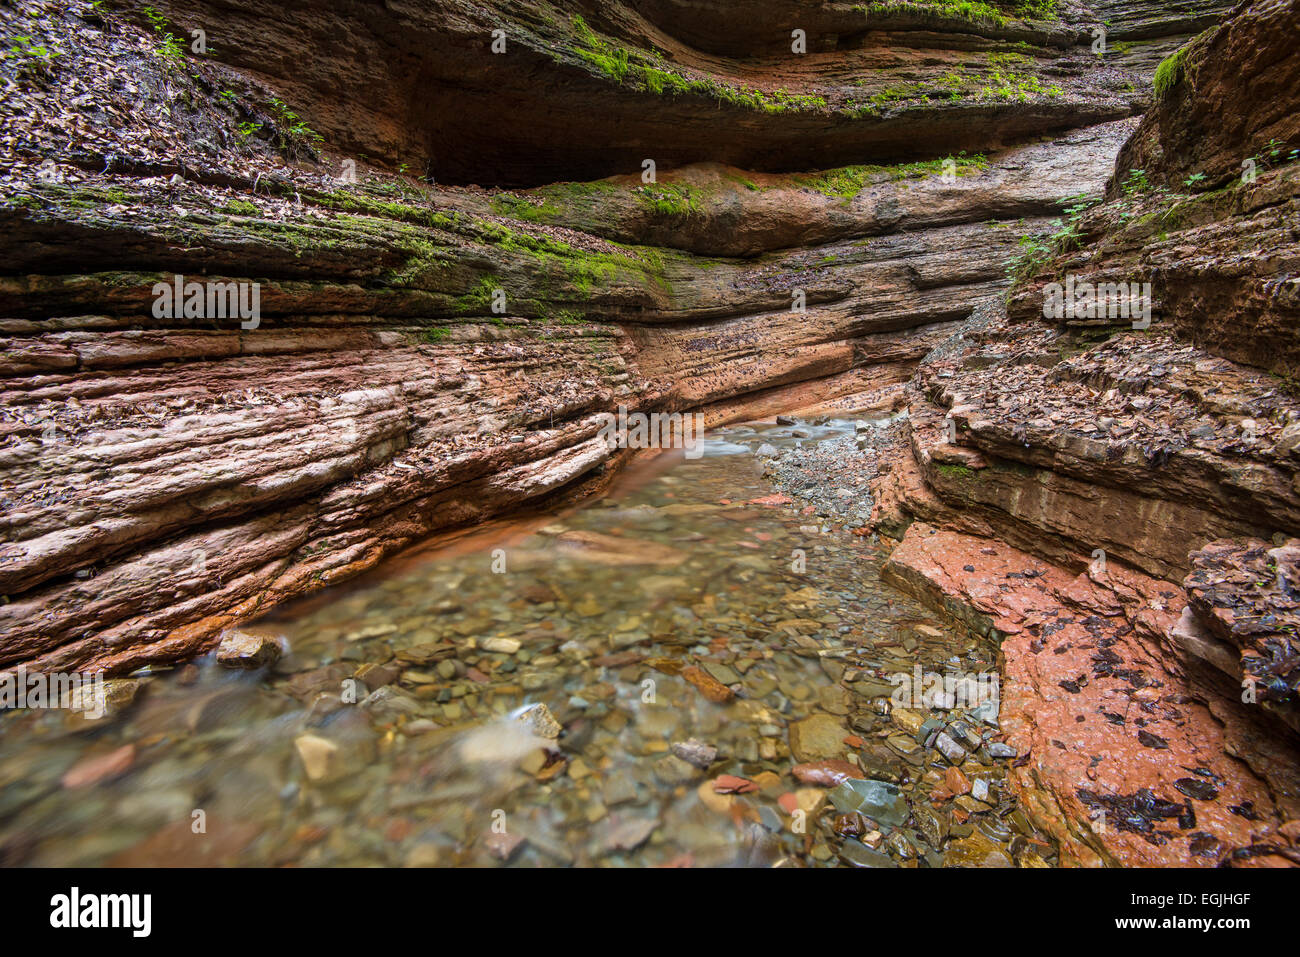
(1116, 756)
(1158, 687)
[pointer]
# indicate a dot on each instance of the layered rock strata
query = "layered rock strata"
(1145, 474)
(424, 356)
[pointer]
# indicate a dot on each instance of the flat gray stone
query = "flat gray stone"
(949, 748)
(878, 800)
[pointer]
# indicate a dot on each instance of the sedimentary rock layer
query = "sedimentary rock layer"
(420, 83)
(1157, 458)
(424, 355)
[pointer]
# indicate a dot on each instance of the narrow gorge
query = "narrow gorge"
(313, 320)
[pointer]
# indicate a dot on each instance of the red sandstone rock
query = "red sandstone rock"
(1062, 628)
(97, 768)
(709, 686)
(730, 784)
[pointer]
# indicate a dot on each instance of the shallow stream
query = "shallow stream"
(391, 732)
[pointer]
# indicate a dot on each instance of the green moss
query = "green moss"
(479, 299)
(644, 71)
(517, 207)
(563, 317)
(598, 187)
(435, 334)
(60, 195)
(353, 201)
(956, 471)
(101, 195)
(748, 184)
(1005, 79)
(846, 182)
(1170, 72)
(674, 200)
(1006, 82)
(554, 264)
(997, 14)
(1036, 9)
(239, 207)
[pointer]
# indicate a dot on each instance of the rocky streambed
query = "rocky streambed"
(691, 670)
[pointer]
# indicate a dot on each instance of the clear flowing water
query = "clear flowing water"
(389, 734)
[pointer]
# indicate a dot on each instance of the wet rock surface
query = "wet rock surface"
(1141, 446)
(834, 478)
(1103, 725)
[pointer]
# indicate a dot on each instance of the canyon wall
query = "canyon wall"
(1150, 459)
(427, 355)
(462, 262)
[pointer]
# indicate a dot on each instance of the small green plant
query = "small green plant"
(33, 59)
(170, 50)
(156, 19)
(1194, 180)
(1006, 83)
(1036, 249)
(1135, 183)
(1275, 153)
(296, 133)
(435, 334)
